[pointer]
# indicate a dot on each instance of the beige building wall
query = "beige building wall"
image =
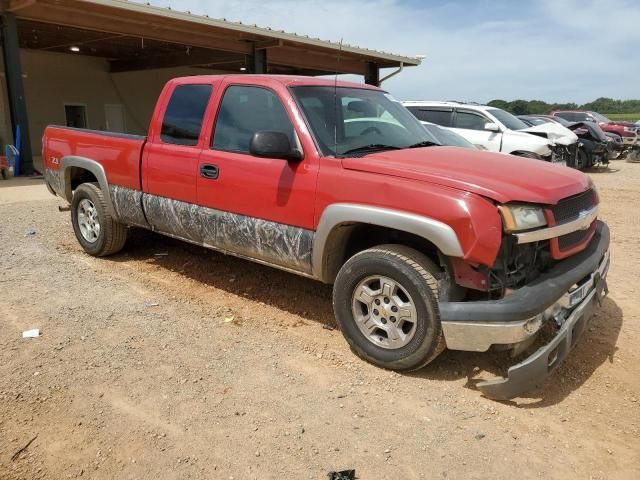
(52, 80)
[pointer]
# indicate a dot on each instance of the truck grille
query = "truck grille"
(569, 209)
(573, 239)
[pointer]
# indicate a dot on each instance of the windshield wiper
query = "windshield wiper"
(372, 147)
(425, 143)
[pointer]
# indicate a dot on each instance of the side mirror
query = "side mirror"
(273, 145)
(492, 127)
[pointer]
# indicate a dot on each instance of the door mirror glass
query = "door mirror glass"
(492, 127)
(273, 145)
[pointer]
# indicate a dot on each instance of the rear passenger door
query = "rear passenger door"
(470, 125)
(170, 159)
(170, 162)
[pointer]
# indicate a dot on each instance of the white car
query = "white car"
(486, 127)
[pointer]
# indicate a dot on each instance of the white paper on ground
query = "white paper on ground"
(31, 333)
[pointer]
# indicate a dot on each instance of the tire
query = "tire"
(88, 209)
(582, 159)
(419, 340)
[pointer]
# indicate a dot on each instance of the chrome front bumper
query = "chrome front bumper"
(562, 298)
(480, 336)
(526, 374)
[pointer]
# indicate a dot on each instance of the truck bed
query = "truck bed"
(118, 153)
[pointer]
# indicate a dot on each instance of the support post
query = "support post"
(15, 89)
(372, 75)
(258, 61)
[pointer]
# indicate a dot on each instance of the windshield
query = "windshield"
(347, 121)
(508, 120)
(599, 117)
(447, 137)
(562, 121)
(535, 121)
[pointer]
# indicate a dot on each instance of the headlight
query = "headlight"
(522, 217)
(629, 129)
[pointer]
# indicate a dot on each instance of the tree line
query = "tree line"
(601, 105)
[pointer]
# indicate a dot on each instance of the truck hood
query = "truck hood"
(500, 177)
(554, 132)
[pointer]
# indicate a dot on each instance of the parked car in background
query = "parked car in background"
(628, 131)
(566, 142)
(448, 138)
(491, 128)
(426, 246)
(598, 146)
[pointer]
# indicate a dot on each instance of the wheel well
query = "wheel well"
(78, 176)
(348, 239)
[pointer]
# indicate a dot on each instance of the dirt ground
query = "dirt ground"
(170, 362)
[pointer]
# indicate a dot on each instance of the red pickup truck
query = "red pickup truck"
(426, 246)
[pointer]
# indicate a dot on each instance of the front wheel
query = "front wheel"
(96, 230)
(386, 302)
(582, 159)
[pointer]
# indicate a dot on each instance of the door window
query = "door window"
(470, 121)
(246, 110)
(439, 117)
(183, 118)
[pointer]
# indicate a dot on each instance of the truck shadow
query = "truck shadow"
(311, 300)
(285, 291)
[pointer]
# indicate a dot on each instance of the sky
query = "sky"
(551, 50)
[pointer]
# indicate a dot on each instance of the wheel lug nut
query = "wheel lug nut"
(386, 299)
(383, 320)
(393, 319)
(394, 309)
(377, 301)
(376, 312)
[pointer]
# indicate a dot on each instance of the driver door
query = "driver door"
(263, 202)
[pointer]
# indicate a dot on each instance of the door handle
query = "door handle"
(209, 171)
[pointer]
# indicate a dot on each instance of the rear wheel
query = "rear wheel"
(96, 230)
(386, 302)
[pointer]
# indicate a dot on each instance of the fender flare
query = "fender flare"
(435, 231)
(92, 166)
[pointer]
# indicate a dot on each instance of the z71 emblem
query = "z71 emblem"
(54, 160)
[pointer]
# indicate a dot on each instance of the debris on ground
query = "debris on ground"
(152, 304)
(15, 456)
(33, 333)
(342, 475)
(29, 232)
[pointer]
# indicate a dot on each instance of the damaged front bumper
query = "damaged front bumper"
(565, 295)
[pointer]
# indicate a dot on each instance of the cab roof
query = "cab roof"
(286, 80)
